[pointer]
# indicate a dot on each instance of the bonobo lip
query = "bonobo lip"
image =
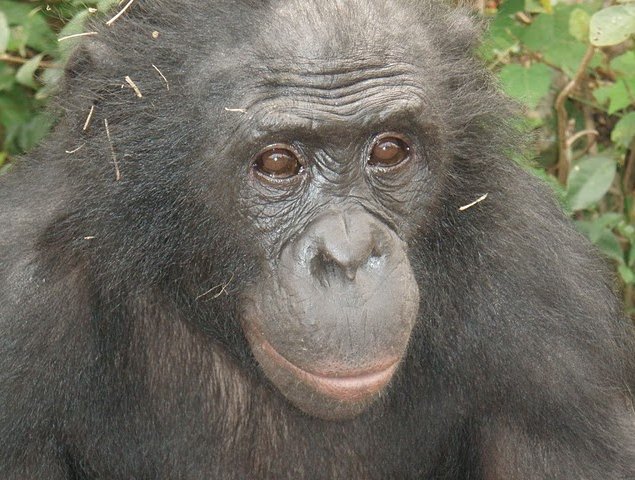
(348, 386)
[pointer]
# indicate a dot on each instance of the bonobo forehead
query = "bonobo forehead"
(321, 64)
(321, 94)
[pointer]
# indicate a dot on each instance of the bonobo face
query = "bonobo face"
(332, 180)
(335, 154)
(331, 320)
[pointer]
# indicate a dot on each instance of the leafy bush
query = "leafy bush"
(30, 63)
(571, 65)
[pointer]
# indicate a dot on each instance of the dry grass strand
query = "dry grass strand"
(470, 205)
(112, 151)
(167, 84)
(75, 35)
(134, 86)
(89, 118)
(120, 13)
(70, 152)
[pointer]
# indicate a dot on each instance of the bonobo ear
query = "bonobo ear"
(90, 56)
(93, 60)
(466, 27)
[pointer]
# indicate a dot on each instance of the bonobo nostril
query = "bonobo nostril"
(343, 248)
(328, 266)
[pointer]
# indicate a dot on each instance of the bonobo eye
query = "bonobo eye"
(278, 162)
(389, 150)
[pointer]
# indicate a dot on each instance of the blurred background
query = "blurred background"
(570, 64)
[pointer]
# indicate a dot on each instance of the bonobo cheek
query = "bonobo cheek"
(331, 321)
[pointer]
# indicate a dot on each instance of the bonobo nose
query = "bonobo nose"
(343, 244)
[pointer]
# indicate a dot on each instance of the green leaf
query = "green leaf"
(624, 130)
(7, 76)
(549, 35)
(31, 133)
(612, 25)
(15, 108)
(618, 95)
(579, 25)
(627, 230)
(537, 6)
(29, 28)
(529, 85)
(16, 12)
(26, 72)
(4, 33)
(497, 44)
(17, 40)
(602, 236)
(509, 8)
(609, 220)
(627, 274)
(624, 64)
(589, 180)
(594, 229)
(39, 35)
(609, 245)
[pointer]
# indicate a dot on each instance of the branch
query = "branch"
(628, 178)
(5, 57)
(564, 161)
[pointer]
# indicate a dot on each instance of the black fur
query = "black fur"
(120, 351)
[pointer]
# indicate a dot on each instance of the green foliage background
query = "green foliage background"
(571, 64)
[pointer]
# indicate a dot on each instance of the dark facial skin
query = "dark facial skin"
(331, 315)
(330, 320)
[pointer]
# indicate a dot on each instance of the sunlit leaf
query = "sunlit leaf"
(589, 180)
(627, 274)
(612, 25)
(7, 76)
(550, 35)
(579, 25)
(624, 64)
(4, 33)
(15, 12)
(25, 74)
(610, 246)
(617, 95)
(602, 236)
(527, 84)
(624, 130)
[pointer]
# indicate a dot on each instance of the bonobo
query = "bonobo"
(283, 239)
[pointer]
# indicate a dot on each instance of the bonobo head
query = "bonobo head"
(315, 148)
(335, 136)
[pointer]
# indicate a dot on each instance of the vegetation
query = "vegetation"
(570, 64)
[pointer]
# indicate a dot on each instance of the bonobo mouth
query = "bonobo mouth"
(345, 386)
(352, 385)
